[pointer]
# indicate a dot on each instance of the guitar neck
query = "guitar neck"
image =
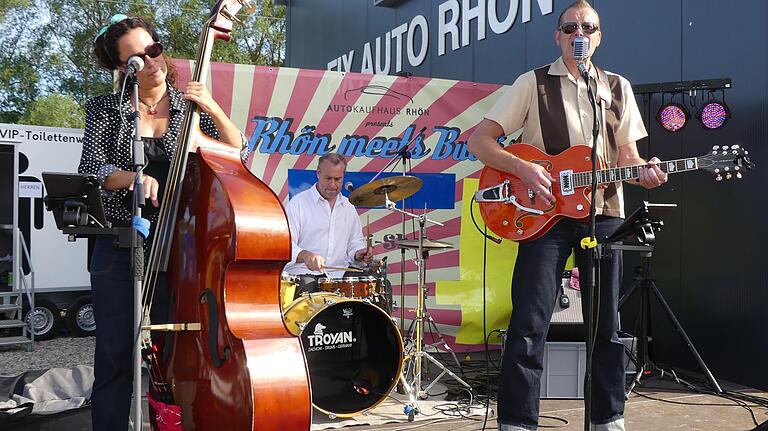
(624, 173)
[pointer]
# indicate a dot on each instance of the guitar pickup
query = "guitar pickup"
(566, 182)
(498, 193)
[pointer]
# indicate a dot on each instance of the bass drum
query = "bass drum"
(353, 349)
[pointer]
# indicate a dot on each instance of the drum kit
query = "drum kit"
(356, 356)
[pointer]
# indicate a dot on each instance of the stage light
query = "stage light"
(713, 115)
(673, 116)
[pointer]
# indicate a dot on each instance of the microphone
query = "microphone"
(581, 53)
(348, 186)
(134, 65)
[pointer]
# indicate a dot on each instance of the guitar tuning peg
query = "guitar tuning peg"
(725, 147)
(728, 176)
(717, 170)
(735, 147)
(719, 177)
(736, 168)
(716, 147)
(738, 175)
(727, 168)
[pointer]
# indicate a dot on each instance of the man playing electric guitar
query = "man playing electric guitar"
(552, 106)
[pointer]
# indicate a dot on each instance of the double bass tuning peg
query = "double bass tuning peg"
(249, 6)
(231, 16)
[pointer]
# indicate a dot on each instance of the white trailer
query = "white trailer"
(61, 279)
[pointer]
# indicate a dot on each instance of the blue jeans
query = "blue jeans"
(535, 286)
(112, 295)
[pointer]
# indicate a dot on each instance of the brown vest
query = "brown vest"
(554, 127)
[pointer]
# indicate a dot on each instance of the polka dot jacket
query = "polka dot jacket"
(107, 143)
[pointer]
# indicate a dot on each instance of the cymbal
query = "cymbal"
(427, 245)
(397, 188)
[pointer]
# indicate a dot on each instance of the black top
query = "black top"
(157, 164)
(107, 144)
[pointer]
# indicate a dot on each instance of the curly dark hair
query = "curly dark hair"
(105, 46)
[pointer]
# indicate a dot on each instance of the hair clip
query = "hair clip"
(114, 20)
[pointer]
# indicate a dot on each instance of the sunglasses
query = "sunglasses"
(570, 27)
(152, 51)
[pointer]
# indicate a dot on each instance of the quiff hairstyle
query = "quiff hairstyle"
(579, 4)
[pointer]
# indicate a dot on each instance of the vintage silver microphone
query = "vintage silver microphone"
(134, 65)
(581, 53)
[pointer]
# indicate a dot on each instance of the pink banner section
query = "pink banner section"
(291, 117)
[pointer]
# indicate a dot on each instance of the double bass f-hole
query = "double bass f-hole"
(208, 297)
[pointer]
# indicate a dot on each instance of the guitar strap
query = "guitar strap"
(554, 126)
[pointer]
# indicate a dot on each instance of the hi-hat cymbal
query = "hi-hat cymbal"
(397, 188)
(428, 244)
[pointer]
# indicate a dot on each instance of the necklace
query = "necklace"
(152, 108)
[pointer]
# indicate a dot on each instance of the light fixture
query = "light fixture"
(672, 116)
(714, 114)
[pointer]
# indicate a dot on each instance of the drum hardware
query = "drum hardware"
(426, 244)
(423, 317)
(397, 188)
(382, 192)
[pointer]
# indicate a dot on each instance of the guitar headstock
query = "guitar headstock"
(725, 162)
(224, 13)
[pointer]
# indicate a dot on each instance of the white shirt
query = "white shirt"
(334, 234)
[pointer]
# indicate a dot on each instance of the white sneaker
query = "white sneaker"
(616, 425)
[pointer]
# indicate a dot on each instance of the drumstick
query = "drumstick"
(342, 269)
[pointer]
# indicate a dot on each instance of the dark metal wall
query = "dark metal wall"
(711, 257)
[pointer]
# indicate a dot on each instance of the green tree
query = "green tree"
(55, 110)
(45, 46)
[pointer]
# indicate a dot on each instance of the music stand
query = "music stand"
(75, 202)
(639, 231)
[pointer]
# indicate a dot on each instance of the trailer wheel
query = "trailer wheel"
(80, 319)
(44, 319)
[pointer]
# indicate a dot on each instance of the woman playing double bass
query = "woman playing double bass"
(107, 153)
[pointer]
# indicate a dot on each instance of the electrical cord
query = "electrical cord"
(487, 356)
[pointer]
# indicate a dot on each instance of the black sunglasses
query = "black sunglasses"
(152, 51)
(570, 27)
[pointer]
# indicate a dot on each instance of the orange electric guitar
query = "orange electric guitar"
(512, 210)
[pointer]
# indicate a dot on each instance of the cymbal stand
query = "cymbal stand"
(422, 316)
(402, 154)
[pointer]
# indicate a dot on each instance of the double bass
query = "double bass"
(222, 240)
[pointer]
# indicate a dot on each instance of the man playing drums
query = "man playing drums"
(326, 233)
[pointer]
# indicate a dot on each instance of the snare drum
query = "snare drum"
(350, 287)
(354, 352)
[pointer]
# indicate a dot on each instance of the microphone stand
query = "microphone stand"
(591, 243)
(137, 255)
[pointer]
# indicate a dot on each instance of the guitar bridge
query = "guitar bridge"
(500, 193)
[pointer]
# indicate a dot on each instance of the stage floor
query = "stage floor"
(658, 405)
